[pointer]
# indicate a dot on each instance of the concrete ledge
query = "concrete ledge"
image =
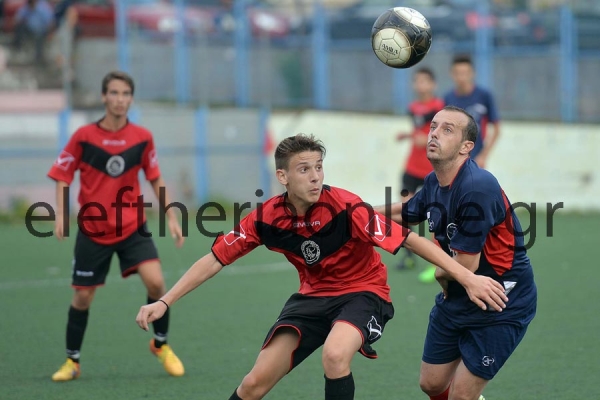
(32, 101)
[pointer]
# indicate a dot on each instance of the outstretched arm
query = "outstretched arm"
(396, 211)
(201, 271)
(482, 290)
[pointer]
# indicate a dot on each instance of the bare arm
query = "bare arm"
(488, 145)
(420, 140)
(469, 261)
(481, 290)
(201, 271)
(396, 211)
(59, 227)
(174, 226)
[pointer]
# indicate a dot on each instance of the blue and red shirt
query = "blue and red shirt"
(482, 107)
(473, 215)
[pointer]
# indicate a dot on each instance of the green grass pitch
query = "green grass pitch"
(218, 329)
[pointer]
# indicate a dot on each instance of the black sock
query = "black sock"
(235, 396)
(340, 388)
(76, 325)
(161, 327)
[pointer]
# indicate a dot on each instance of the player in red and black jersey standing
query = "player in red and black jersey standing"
(109, 154)
(329, 235)
(422, 111)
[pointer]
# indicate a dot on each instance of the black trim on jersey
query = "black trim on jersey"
(221, 262)
(329, 239)
(98, 157)
(213, 245)
(401, 244)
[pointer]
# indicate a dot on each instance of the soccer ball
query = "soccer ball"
(401, 37)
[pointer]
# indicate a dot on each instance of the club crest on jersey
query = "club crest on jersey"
(451, 230)
(115, 165)
(310, 251)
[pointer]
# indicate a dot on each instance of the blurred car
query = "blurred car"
(158, 18)
(455, 20)
(96, 18)
(263, 18)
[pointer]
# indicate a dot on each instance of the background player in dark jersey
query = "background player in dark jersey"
(109, 154)
(343, 302)
(472, 219)
(478, 102)
(418, 166)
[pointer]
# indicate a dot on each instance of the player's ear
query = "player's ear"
(467, 147)
(281, 176)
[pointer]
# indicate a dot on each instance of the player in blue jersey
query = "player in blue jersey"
(478, 102)
(473, 221)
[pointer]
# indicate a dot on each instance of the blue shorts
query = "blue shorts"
(483, 349)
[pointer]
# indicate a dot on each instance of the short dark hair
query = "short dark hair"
(470, 132)
(293, 145)
(462, 59)
(426, 71)
(117, 75)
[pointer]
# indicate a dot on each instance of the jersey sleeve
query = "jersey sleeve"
(413, 211)
(371, 227)
(68, 160)
(476, 215)
(238, 242)
(150, 161)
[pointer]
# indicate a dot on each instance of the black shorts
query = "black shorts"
(313, 317)
(411, 183)
(92, 260)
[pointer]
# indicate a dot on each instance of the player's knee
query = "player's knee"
(155, 288)
(252, 387)
(82, 300)
(432, 387)
(335, 361)
(462, 392)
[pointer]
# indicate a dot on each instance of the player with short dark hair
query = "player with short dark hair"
(343, 303)
(417, 165)
(473, 221)
(108, 155)
(478, 102)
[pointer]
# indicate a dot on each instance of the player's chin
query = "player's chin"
(313, 197)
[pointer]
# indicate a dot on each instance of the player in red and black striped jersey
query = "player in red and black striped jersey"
(422, 111)
(329, 235)
(109, 155)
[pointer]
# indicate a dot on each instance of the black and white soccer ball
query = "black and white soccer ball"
(401, 37)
